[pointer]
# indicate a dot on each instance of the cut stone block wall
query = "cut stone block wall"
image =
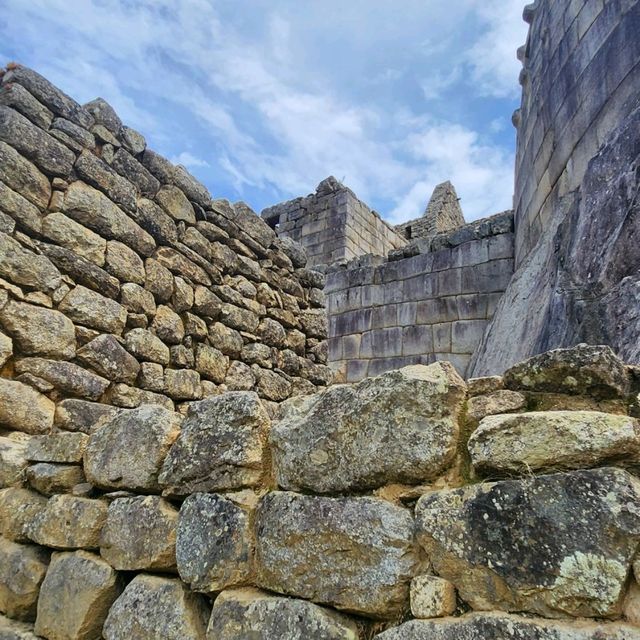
(431, 301)
(123, 282)
(333, 225)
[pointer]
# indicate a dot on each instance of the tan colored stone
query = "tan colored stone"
(23, 177)
(211, 363)
(13, 460)
(19, 508)
(155, 608)
(182, 384)
(69, 522)
(68, 233)
(76, 596)
(16, 630)
(24, 409)
(25, 268)
(501, 401)
(81, 415)
(432, 597)
(108, 357)
(124, 263)
(22, 569)
(139, 534)
(484, 385)
(128, 451)
(61, 446)
(145, 346)
(93, 310)
(175, 203)
(48, 479)
(168, 326)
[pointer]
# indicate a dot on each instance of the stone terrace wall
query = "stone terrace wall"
(407, 506)
(431, 301)
(581, 78)
(333, 225)
(123, 282)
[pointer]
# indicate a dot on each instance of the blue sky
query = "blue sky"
(262, 99)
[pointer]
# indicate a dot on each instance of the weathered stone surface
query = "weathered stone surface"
(553, 440)
(175, 203)
(214, 546)
(128, 167)
(15, 630)
(211, 363)
(46, 152)
(183, 297)
(25, 215)
(93, 310)
(24, 409)
(93, 209)
(500, 401)
(271, 385)
(221, 446)
(227, 340)
(137, 300)
(22, 569)
(73, 136)
(76, 596)
(69, 522)
(23, 267)
(592, 370)
(122, 395)
(18, 510)
(486, 384)
(60, 446)
(558, 545)
(124, 263)
(183, 384)
(127, 451)
(239, 377)
(23, 177)
(47, 478)
(483, 626)
(39, 331)
(293, 250)
(355, 554)
(17, 97)
(192, 188)
(65, 376)
(177, 263)
(139, 534)
(108, 357)
(145, 346)
(156, 222)
(154, 608)
(99, 174)
(13, 459)
(6, 349)
(240, 614)
(432, 597)
(168, 326)
(399, 427)
(103, 113)
(68, 233)
(81, 415)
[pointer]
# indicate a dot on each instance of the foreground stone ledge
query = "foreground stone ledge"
(140, 533)
(553, 440)
(75, 597)
(559, 545)
(356, 554)
(128, 451)
(215, 541)
(155, 608)
(487, 626)
(401, 427)
(22, 569)
(250, 613)
(221, 446)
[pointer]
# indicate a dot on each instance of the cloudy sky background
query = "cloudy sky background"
(262, 99)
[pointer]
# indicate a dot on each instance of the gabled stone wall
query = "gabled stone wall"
(431, 300)
(123, 282)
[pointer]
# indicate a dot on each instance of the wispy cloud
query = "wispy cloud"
(262, 104)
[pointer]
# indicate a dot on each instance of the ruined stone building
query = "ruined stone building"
(176, 460)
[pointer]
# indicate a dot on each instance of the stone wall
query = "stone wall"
(411, 505)
(122, 282)
(577, 181)
(333, 225)
(430, 301)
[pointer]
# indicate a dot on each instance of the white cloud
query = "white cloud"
(187, 159)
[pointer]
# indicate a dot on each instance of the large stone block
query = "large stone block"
(355, 554)
(22, 569)
(60, 446)
(145, 346)
(93, 209)
(215, 541)
(108, 357)
(127, 452)
(240, 614)
(19, 509)
(76, 596)
(12, 458)
(401, 427)
(485, 626)
(591, 370)
(24, 409)
(39, 331)
(48, 479)
(68, 233)
(23, 177)
(221, 446)
(16, 630)
(557, 545)
(155, 608)
(91, 309)
(25, 268)
(553, 441)
(139, 534)
(81, 415)
(69, 522)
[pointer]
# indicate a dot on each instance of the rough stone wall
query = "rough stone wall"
(577, 182)
(430, 301)
(333, 225)
(443, 213)
(411, 505)
(122, 282)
